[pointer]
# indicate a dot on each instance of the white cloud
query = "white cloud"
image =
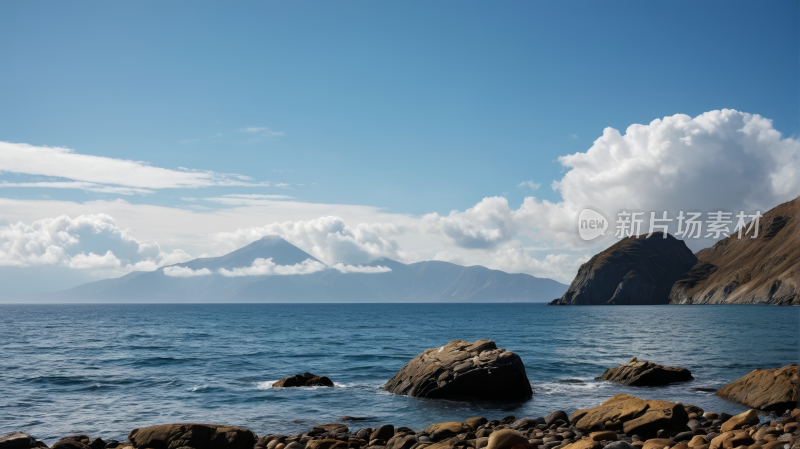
(93, 261)
(186, 272)
(99, 172)
(530, 185)
(261, 130)
(266, 267)
(246, 199)
(86, 186)
(360, 268)
(484, 225)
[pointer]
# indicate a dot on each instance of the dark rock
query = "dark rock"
(683, 436)
(16, 440)
(353, 418)
(111, 444)
(303, 380)
(764, 389)
(463, 370)
(551, 418)
(68, 443)
(619, 445)
(365, 433)
(523, 424)
(97, 443)
(551, 445)
(646, 374)
(632, 271)
(198, 436)
(384, 432)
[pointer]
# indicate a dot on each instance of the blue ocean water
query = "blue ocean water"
(103, 370)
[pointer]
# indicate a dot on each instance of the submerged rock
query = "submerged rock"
(638, 416)
(197, 436)
(303, 380)
(764, 389)
(463, 370)
(646, 374)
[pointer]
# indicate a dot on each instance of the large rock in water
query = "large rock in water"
(635, 270)
(197, 436)
(303, 380)
(463, 370)
(765, 389)
(763, 270)
(641, 417)
(646, 374)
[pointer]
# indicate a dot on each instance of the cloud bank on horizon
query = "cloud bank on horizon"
(720, 159)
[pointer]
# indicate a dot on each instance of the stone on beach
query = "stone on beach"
(639, 416)
(463, 370)
(16, 440)
(303, 380)
(747, 418)
(646, 374)
(506, 439)
(764, 389)
(197, 436)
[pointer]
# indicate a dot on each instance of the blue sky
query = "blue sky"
(411, 108)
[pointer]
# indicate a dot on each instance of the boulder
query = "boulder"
(584, 443)
(747, 418)
(506, 439)
(764, 389)
(555, 416)
(476, 422)
(197, 436)
(384, 433)
(603, 435)
(463, 370)
(303, 380)
(658, 443)
(16, 440)
(446, 429)
(646, 374)
(638, 416)
(635, 270)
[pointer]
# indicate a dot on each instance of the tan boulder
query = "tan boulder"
(198, 436)
(718, 441)
(658, 443)
(747, 418)
(639, 416)
(603, 435)
(764, 389)
(476, 422)
(506, 439)
(697, 441)
(683, 445)
(444, 444)
(584, 443)
(774, 445)
(646, 374)
(447, 428)
(481, 442)
(327, 443)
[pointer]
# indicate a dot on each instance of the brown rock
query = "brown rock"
(747, 418)
(446, 429)
(639, 417)
(461, 369)
(476, 422)
(197, 436)
(658, 443)
(683, 445)
(646, 374)
(764, 389)
(584, 443)
(697, 441)
(16, 440)
(506, 439)
(327, 443)
(604, 435)
(718, 441)
(303, 380)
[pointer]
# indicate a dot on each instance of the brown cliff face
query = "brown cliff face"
(635, 270)
(764, 270)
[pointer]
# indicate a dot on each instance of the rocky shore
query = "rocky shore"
(622, 422)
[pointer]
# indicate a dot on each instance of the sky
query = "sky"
(471, 132)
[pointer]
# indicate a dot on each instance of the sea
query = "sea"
(103, 370)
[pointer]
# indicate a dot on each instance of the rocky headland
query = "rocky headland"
(621, 422)
(635, 270)
(764, 270)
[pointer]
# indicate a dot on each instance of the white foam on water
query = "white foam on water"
(265, 385)
(201, 387)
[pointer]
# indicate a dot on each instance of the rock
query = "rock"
(646, 374)
(463, 370)
(97, 443)
(749, 271)
(619, 445)
(197, 436)
(683, 436)
(658, 443)
(764, 389)
(327, 443)
(584, 443)
(697, 441)
(446, 429)
(331, 428)
(303, 380)
(384, 432)
(16, 440)
(631, 271)
(555, 416)
(710, 415)
(506, 439)
(523, 424)
(603, 435)
(69, 443)
(639, 416)
(476, 422)
(747, 418)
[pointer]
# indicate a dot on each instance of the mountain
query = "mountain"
(429, 281)
(763, 270)
(635, 270)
